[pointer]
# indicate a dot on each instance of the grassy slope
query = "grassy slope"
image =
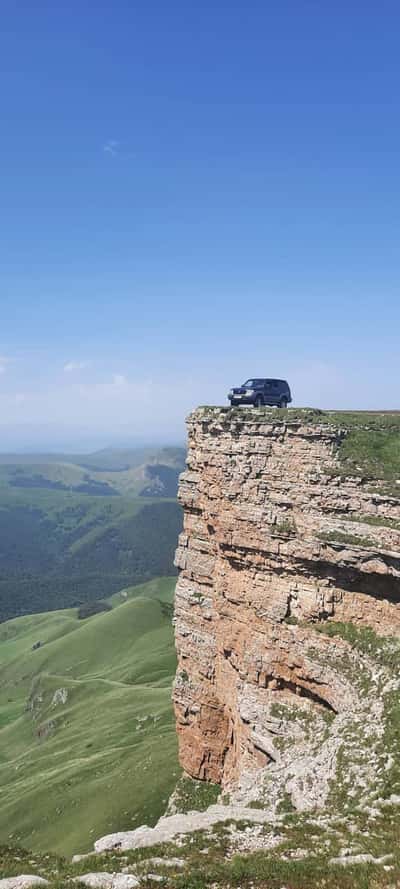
(113, 739)
(77, 528)
(124, 471)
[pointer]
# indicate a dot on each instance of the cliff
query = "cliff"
(287, 624)
(286, 605)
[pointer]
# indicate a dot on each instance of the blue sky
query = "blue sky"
(193, 194)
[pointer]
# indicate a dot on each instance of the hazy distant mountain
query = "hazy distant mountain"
(75, 528)
(110, 471)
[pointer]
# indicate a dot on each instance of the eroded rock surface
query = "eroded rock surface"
(172, 826)
(277, 545)
(106, 880)
(23, 881)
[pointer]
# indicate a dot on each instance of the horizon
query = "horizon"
(99, 446)
(203, 195)
(133, 446)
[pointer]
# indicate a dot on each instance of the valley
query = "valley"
(286, 690)
(85, 716)
(73, 532)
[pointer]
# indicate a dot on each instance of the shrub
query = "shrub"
(91, 608)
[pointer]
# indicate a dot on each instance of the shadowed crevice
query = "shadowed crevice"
(378, 586)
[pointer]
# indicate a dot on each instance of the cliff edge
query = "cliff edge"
(287, 622)
(288, 607)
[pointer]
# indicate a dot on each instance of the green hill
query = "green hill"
(85, 716)
(139, 472)
(60, 550)
(76, 531)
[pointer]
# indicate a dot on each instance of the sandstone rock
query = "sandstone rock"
(268, 547)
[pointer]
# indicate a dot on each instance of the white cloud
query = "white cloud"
(116, 408)
(111, 147)
(72, 366)
(119, 380)
(4, 362)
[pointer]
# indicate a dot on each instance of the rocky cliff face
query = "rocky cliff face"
(286, 605)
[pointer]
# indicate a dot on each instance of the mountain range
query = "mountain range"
(76, 528)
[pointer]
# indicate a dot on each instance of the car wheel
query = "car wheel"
(259, 401)
(283, 403)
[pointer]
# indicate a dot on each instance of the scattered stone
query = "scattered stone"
(364, 858)
(46, 730)
(60, 697)
(108, 881)
(296, 854)
(76, 858)
(156, 878)
(173, 826)
(165, 862)
(23, 882)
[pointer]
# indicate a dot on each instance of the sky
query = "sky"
(193, 194)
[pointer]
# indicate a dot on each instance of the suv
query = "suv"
(259, 392)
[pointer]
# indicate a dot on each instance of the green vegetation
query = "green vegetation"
(348, 539)
(291, 620)
(91, 608)
(284, 528)
(209, 864)
(285, 806)
(190, 795)
(87, 736)
(373, 452)
(370, 446)
(384, 650)
(133, 472)
(60, 549)
(76, 529)
(376, 521)
(380, 420)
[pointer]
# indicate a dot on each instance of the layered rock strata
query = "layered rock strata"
(277, 543)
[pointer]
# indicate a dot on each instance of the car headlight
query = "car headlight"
(230, 392)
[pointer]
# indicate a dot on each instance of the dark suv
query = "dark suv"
(258, 392)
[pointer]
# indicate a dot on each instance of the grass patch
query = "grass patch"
(346, 420)
(264, 869)
(369, 444)
(347, 539)
(285, 528)
(376, 521)
(191, 795)
(385, 651)
(374, 452)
